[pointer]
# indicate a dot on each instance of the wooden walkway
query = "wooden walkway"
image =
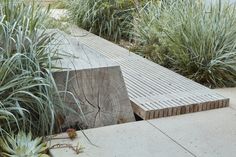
(154, 91)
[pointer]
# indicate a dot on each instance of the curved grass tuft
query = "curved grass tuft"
(195, 39)
(107, 18)
(29, 98)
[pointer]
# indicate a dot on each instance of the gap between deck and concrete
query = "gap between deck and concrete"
(203, 134)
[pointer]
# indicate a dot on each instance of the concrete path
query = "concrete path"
(137, 139)
(205, 134)
(230, 93)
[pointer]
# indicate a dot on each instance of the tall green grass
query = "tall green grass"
(29, 98)
(145, 23)
(58, 4)
(146, 32)
(108, 18)
(197, 40)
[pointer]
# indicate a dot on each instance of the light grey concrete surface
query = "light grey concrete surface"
(205, 134)
(230, 93)
(137, 139)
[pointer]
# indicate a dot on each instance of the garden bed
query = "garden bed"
(199, 45)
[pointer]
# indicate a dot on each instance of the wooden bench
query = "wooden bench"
(154, 91)
(95, 81)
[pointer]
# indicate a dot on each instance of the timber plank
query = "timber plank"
(154, 91)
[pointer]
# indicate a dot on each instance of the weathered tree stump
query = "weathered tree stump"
(97, 83)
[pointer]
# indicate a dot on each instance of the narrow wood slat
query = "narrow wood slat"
(156, 91)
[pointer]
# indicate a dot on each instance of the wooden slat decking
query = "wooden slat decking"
(154, 91)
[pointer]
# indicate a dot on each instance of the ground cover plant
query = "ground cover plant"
(22, 145)
(192, 38)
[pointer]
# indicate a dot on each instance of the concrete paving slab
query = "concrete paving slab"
(205, 134)
(229, 93)
(138, 139)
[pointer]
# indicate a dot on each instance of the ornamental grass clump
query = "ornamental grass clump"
(201, 41)
(145, 23)
(29, 98)
(108, 18)
(195, 39)
(146, 33)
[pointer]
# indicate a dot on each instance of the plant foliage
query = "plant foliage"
(146, 33)
(195, 39)
(29, 99)
(22, 145)
(108, 18)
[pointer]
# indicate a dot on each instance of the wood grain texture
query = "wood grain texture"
(97, 83)
(154, 91)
